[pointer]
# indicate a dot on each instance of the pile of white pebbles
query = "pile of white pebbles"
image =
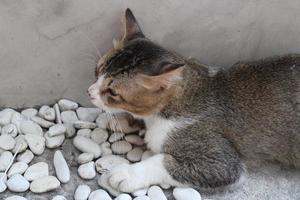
(103, 144)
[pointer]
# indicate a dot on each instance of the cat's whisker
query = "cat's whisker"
(93, 44)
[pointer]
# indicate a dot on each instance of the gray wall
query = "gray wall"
(48, 46)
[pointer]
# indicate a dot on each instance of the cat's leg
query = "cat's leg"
(129, 178)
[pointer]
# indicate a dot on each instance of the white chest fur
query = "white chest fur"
(158, 130)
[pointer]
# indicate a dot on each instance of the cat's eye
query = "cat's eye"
(112, 92)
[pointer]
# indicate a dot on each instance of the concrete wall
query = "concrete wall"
(48, 46)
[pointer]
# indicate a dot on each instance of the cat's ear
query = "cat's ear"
(170, 74)
(130, 26)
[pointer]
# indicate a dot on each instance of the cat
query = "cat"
(201, 123)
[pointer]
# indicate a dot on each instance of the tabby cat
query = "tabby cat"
(201, 124)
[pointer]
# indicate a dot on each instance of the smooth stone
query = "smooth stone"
(87, 114)
(47, 113)
(29, 112)
(3, 177)
(99, 194)
(17, 183)
(186, 193)
(2, 185)
(87, 171)
(85, 158)
(121, 147)
(59, 197)
(17, 119)
(70, 130)
(134, 139)
(87, 145)
(123, 197)
(135, 154)
(68, 116)
(99, 135)
(102, 120)
(36, 143)
(142, 198)
(116, 137)
(84, 132)
(20, 140)
(7, 142)
(155, 192)
(36, 171)
(57, 129)
(15, 197)
(57, 113)
(9, 129)
(141, 192)
(5, 116)
(44, 184)
(5, 160)
(147, 154)
(55, 141)
(61, 167)
(105, 149)
(17, 168)
(30, 127)
(106, 163)
(83, 124)
(82, 192)
(42, 122)
(65, 104)
(103, 183)
(26, 156)
(42, 110)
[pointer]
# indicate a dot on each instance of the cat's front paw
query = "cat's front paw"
(126, 178)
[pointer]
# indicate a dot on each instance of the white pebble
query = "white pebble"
(17, 119)
(99, 135)
(142, 198)
(135, 154)
(84, 132)
(59, 197)
(68, 116)
(116, 137)
(17, 183)
(105, 149)
(134, 139)
(2, 186)
(20, 140)
(123, 197)
(5, 159)
(65, 104)
(141, 192)
(15, 197)
(121, 147)
(48, 114)
(106, 163)
(82, 192)
(55, 141)
(87, 114)
(70, 130)
(17, 168)
(85, 158)
(42, 122)
(7, 142)
(9, 129)
(87, 170)
(57, 113)
(61, 167)
(57, 129)
(36, 171)
(30, 127)
(29, 112)
(83, 124)
(44, 184)
(99, 194)
(36, 143)
(102, 120)
(186, 193)
(5, 116)
(87, 145)
(3, 176)
(155, 192)
(26, 157)
(42, 110)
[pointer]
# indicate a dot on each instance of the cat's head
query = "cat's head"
(137, 75)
